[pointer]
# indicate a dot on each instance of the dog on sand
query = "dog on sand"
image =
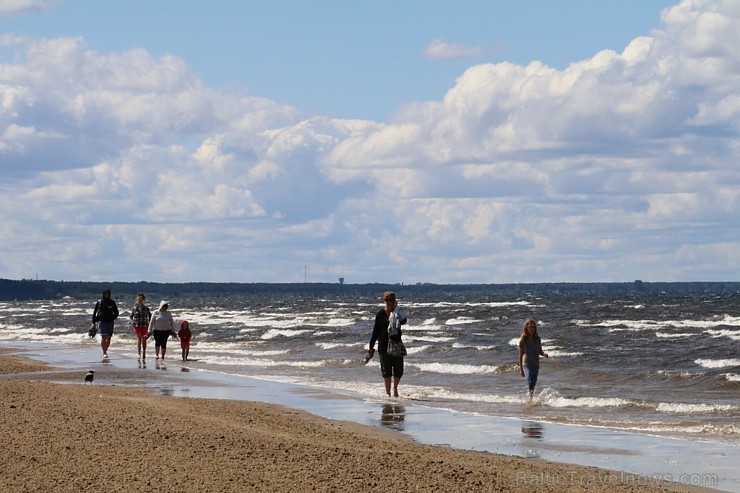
(89, 377)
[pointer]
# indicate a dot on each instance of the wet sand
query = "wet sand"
(77, 437)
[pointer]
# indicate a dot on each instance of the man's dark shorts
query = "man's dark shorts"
(105, 329)
(391, 366)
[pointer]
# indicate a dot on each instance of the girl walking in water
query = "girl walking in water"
(530, 350)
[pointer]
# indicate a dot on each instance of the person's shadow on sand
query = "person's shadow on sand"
(393, 416)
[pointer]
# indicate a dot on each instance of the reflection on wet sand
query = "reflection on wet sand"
(393, 416)
(532, 429)
(166, 391)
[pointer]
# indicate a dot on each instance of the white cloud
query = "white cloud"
(25, 6)
(439, 49)
(620, 166)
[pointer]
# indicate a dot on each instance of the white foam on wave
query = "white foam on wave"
(423, 328)
(732, 377)
(416, 349)
(248, 331)
(455, 304)
(679, 335)
(717, 363)
(210, 317)
(664, 427)
(267, 319)
(732, 334)
(414, 338)
(590, 402)
(262, 362)
(48, 337)
(556, 353)
(271, 322)
(674, 373)
(458, 345)
(450, 369)
(273, 333)
(461, 321)
(683, 408)
(618, 325)
(231, 348)
(334, 345)
(729, 320)
(440, 393)
(66, 311)
(337, 322)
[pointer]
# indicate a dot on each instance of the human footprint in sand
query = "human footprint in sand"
(161, 326)
(530, 350)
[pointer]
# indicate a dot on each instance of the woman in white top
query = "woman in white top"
(161, 326)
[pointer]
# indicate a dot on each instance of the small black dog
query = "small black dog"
(89, 377)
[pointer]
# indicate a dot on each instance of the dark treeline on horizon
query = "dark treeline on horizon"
(27, 289)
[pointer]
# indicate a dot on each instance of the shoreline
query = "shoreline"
(219, 444)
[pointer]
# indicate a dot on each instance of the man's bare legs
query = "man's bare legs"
(105, 344)
(387, 381)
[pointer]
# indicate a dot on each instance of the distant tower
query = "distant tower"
(305, 274)
(341, 280)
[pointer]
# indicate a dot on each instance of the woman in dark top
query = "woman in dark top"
(530, 350)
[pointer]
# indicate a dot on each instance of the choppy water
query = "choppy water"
(658, 364)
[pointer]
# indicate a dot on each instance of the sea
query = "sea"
(658, 364)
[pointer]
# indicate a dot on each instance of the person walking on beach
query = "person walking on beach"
(161, 326)
(104, 314)
(530, 350)
(140, 317)
(387, 328)
(184, 334)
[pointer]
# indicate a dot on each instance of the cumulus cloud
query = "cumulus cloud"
(620, 166)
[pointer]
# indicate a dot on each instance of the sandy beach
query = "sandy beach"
(77, 437)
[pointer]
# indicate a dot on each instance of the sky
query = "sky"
(414, 141)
